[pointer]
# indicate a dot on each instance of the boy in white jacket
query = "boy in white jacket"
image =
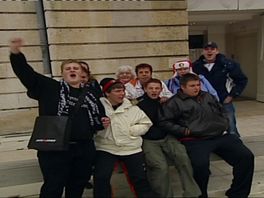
(120, 140)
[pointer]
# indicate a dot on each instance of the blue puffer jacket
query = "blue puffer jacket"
(219, 75)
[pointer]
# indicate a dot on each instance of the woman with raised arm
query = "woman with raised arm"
(68, 169)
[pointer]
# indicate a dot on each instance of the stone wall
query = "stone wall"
(106, 34)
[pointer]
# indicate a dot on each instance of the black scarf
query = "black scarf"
(90, 103)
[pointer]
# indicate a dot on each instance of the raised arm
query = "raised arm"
(28, 77)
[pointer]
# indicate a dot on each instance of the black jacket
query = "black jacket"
(202, 115)
(47, 92)
(151, 107)
(218, 76)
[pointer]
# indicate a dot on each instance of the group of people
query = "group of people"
(142, 122)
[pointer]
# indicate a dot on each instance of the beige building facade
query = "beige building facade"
(106, 34)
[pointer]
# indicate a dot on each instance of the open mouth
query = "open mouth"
(154, 95)
(72, 75)
(209, 55)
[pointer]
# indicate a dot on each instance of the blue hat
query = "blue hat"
(210, 44)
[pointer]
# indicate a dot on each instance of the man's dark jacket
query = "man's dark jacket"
(151, 108)
(202, 115)
(218, 76)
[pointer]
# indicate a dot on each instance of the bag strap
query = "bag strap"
(79, 103)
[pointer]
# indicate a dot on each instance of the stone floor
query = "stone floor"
(250, 121)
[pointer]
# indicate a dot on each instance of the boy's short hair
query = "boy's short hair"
(143, 65)
(188, 77)
(68, 62)
(152, 80)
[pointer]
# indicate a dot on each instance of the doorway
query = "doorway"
(245, 48)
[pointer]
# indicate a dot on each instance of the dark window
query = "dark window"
(196, 41)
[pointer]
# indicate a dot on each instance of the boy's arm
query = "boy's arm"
(168, 114)
(142, 124)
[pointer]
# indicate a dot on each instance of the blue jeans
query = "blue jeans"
(230, 113)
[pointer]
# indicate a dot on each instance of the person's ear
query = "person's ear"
(106, 94)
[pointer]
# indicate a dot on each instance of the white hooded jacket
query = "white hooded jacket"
(123, 136)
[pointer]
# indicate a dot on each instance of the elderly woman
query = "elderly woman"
(125, 73)
(69, 169)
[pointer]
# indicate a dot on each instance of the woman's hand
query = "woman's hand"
(106, 122)
(15, 45)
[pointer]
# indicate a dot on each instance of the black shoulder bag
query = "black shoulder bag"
(52, 133)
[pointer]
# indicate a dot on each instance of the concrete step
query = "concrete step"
(14, 142)
(17, 121)
(19, 168)
(17, 176)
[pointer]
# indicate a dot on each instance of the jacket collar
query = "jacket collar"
(184, 96)
(125, 105)
(146, 97)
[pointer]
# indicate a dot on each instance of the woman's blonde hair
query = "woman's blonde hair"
(68, 62)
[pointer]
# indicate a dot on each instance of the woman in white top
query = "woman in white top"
(121, 140)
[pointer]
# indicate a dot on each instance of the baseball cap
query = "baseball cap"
(210, 44)
(182, 64)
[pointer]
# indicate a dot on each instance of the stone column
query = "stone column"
(260, 60)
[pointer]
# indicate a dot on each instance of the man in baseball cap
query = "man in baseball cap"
(225, 75)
